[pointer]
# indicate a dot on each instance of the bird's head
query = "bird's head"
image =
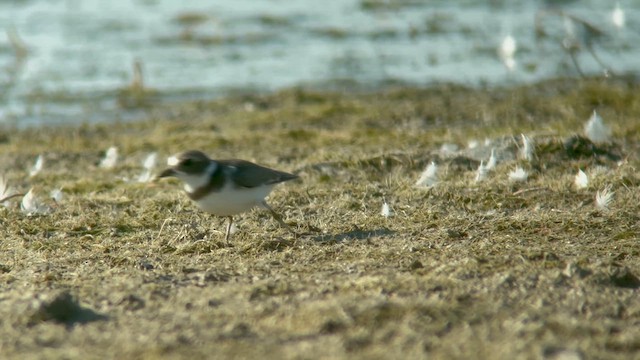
(193, 167)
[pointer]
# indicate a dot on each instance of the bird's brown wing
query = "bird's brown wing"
(249, 175)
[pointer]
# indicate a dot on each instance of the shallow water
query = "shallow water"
(80, 54)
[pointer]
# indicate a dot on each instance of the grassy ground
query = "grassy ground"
(496, 269)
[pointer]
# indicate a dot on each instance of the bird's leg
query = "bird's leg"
(226, 237)
(277, 217)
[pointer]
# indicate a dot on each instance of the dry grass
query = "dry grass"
(462, 270)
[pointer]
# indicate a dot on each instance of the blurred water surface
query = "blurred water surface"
(71, 61)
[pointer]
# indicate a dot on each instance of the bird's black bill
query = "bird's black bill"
(167, 173)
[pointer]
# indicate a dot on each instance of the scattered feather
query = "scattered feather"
(618, 17)
(596, 130)
(519, 175)
(110, 158)
(448, 149)
(604, 198)
(508, 46)
(234, 229)
(482, 172)
(507, 51)
(429, 176)
(491, 164)
(581, 180)
(56, 195)
(37, 166)
(145, 177)
(526, 152)
(149, 163)
(30, 205)
(386, 210)
(4, 187)
(510, 63)
(5, 191)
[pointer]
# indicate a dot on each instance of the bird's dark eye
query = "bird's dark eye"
(187, 162)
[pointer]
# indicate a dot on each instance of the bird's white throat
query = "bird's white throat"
(193, 182)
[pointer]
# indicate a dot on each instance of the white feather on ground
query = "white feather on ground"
(5, 190)
(518, 175)
(528, 146)
(234, 229)
(491, 164)
(4, 187)
(56, 195)
(448, 149)
(581, 180)
(604, 198)
(482, 172)
(145, 177)
(386, 210)
(618, 17)
(110, 158)
(596, 130)
(37, 166)
(429, 176)
(30, 205)
(149, 163)
(507, 51)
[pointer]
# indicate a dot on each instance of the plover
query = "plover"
(225, 187)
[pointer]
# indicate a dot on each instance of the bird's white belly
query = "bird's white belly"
(232, 201)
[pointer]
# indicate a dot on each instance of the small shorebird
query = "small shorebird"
(225, 187)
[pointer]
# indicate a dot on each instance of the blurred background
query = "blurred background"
(77, 61)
